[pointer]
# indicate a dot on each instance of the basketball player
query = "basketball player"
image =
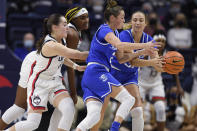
(97, 82)
(78, 20)
(126, 72)
(20, 104)
(150, 82)
(44, 85)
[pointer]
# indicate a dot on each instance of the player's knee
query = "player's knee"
(125, 97)
(93, 112)
(160, 111)
(32, 122)
(66, 106)
(12, 113)
(137, 112)
(127, 101)
(93, 115)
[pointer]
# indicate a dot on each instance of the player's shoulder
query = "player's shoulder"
(126, 32)
(147, 36)
(72, 33)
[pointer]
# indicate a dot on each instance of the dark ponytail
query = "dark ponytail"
(112, 8)
(53, 19)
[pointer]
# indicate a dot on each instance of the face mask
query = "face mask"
(180, 23)
(153, 21)
(175, 10)
(98, 8)
(28, 43)
(173, 95)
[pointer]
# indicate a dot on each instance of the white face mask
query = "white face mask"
(28, 43)
(98, 8)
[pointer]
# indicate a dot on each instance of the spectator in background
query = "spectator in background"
(154, 24)
(176, 111)
(175, 7)
(193, 96)
(28, 46)
(192, 120)
(180, 36)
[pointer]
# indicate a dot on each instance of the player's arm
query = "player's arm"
(141, 62)
(73, 65)
(72, 42)
(128, 47)
(126, 57)
(178, 84)
(53, 48)
(155, 62)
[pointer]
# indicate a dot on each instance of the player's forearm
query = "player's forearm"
(70, 63)
(178, 84)
(141, 62)
(71, 81)
(130, 56)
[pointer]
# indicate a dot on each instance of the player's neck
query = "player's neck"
(137, 36)
(112, 26)
(58, 39)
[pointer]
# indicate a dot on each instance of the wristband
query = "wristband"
(75, 66)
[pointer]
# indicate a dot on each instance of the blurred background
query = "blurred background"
(21, 26)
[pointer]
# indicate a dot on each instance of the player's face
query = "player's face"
(138, 22)
(82, 22)
(62, 28)
(120, 20)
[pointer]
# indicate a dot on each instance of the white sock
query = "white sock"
(67, 109)
(12, 114)
(54, 121)
(137, 119)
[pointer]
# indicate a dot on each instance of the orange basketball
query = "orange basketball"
(174, 62)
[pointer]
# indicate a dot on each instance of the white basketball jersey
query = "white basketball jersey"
(48, 66)
(149, 77)
(27, 68)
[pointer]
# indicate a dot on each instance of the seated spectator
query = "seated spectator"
(180, 36)
(154, 24)
(193, 96)
(192, 120)
(28, 46)
(176, 111)
(149, 116)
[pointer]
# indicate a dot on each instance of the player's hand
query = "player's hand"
(180, 91)
(81, 68)
(151, 45)
(74, 98)
(148, 52)
(157, 63)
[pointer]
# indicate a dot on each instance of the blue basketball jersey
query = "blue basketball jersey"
(127, 69)
(97, 80)
(101, 51)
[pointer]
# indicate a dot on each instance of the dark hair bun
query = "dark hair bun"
(111, 3)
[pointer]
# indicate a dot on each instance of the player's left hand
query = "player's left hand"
(81, 68)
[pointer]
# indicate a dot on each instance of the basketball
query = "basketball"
(174, 62)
